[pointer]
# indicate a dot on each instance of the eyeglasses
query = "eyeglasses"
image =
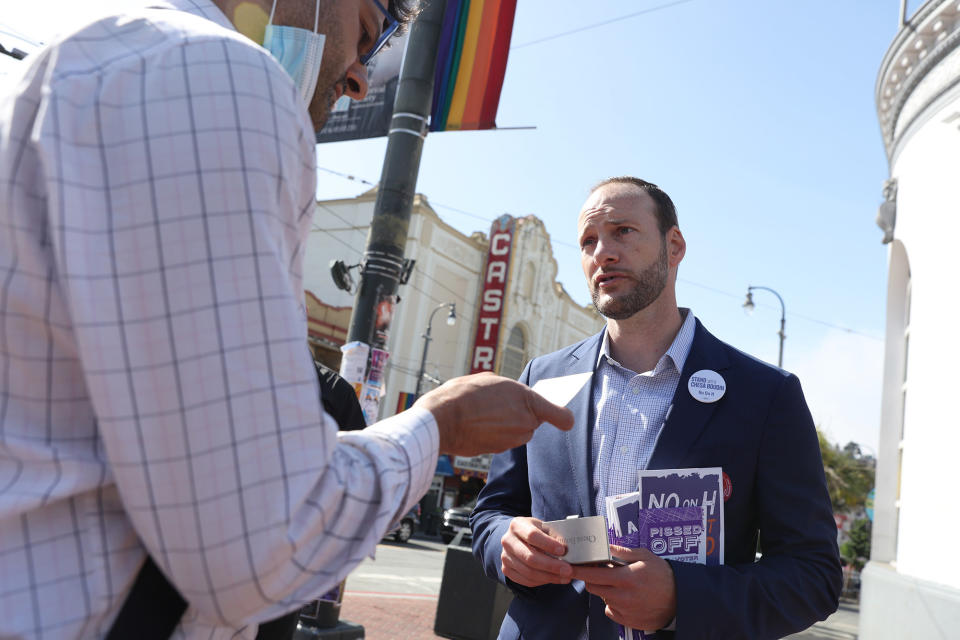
(392, 25)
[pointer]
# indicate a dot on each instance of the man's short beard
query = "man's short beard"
(649, 285)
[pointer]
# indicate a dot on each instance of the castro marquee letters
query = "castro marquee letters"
(493, 295)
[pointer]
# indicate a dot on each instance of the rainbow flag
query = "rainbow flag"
(405, 400)
(471, 62)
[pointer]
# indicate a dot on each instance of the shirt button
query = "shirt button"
(636, 389)
(623, 449)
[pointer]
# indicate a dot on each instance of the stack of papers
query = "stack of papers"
(675, 513)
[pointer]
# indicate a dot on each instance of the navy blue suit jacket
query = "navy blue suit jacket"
(760, 432)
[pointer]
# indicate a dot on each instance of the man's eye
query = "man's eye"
(366, 39)
(624, 230)
(586, 242)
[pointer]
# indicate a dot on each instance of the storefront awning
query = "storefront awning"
(444, 468)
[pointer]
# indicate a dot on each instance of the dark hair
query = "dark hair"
(666, 212)
(405, 12)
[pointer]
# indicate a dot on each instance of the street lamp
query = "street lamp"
(451, 320)
(748, 306)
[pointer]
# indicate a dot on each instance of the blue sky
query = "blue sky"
(756, 116)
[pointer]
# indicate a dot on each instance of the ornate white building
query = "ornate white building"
(911, 586)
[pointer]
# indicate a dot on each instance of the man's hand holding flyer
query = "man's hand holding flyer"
(677, 514)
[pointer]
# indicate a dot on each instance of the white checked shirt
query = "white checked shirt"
(630, 410)
(157, 182)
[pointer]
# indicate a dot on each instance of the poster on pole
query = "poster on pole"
(353, 364)
(370, 117)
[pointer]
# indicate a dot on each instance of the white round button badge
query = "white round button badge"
(707, 386)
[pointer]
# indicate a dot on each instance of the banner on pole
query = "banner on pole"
(370, 117)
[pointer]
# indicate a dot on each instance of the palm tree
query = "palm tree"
(850, 475)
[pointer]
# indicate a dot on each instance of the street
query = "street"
(842, 625)
(395, 596)
(411, 568)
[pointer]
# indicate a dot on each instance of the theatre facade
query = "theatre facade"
(507, 303)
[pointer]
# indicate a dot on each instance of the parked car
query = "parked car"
(406, 526)
(456, 519)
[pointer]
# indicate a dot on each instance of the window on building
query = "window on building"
(903, 394)
(514, 354)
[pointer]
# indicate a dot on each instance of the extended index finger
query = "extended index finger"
(546, 411)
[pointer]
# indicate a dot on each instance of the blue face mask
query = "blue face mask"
(298, 51)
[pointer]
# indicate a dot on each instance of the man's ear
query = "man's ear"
(676, 246)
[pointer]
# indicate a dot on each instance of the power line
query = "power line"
(600, 24)
(10, 31)
(790, 314)
(347, 176)
(340, 240)
(461, 212)
(350, 225)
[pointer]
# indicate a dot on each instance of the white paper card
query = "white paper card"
(563, 389)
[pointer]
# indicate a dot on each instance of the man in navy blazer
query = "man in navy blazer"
(760, 432)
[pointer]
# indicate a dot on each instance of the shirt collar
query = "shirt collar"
(675, 355)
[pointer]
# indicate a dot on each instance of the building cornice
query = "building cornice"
(905, 85)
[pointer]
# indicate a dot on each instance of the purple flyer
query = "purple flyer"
(675, 533)
(623, 517)
(661, 488)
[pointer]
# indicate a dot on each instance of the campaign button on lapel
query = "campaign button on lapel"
(706, 386)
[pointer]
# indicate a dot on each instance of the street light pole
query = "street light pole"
(748, 306)
(451, 319)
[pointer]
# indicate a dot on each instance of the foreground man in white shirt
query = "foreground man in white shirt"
(157, 182)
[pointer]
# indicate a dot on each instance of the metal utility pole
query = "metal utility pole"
(383, 262)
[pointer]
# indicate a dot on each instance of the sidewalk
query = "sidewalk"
(410, 617)
(391, 616)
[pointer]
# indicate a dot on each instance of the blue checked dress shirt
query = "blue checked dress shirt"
(630, 410)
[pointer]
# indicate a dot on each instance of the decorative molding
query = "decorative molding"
(907, 84)
(887, 215)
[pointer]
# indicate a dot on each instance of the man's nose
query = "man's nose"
(605, 252)
(356, 84)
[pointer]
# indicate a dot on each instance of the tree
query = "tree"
(850, 475)
(857, 549)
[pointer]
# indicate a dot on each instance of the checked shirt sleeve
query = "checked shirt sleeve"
(183, 185)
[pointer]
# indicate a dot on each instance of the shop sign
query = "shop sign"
(472, 466)
(493, 295)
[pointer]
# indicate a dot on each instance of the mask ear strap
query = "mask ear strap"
(316, 16)
(274, 8)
